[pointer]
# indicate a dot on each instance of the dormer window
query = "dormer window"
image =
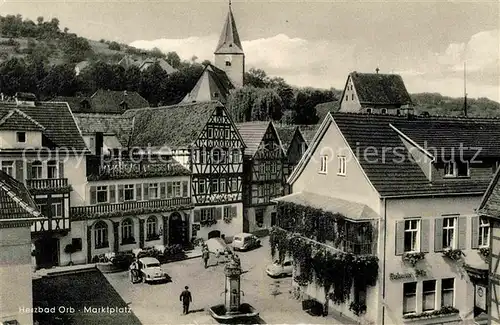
(456, 169)
(21, 137)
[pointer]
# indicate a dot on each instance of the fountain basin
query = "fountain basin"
(245, 311)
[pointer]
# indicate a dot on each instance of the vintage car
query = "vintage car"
(151, 270)
(244, 241)
(278, 270)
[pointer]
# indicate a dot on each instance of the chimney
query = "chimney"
(99, 143)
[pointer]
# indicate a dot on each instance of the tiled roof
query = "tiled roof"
(252, 134)
(15, 200)
(75, 103)
(161, 62)
(490, 204)
(229, 42)
(286, 133)
(374, 88)
(308, 132)
(60, 126)
(391, 175)
(212, 80)
(324, 108)
(17, 120)
(106, 124)
(110, 101)
(351, 210)
(176, 126)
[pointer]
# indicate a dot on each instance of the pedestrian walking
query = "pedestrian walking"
(186, 299)
(134, 270)
(205, 255)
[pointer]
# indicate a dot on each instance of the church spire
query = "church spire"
(229, 42)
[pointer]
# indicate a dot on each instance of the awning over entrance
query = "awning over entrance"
(476, 267)
(351, 210)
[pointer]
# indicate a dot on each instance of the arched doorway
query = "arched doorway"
(176, 230)
(214, 234)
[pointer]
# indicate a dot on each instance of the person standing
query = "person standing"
(205, 255)
(133, 271)
(186, 300)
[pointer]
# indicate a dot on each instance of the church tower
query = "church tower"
(229, 54)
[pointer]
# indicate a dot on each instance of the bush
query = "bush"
(114, 46)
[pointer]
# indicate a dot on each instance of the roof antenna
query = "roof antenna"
(377, 70)
(465, 89)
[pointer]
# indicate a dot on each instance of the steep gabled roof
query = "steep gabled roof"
(490, 204)
(229, 41)
(212, 81)
(324, 108)
(382, 89)
(15, 200)
(286, 134)
(161, 62)
(175, 127)
(308, 132)
(111, 101)
(18, 121)
(60, 126)
(75, 103)
(252, 134)
(389, 173)
(106, 124)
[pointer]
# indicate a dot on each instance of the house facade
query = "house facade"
(375, 93)
(41, 146)
(399, 191)
(489, 210)
(228, 69)
(263, 180)
(208, 144)
(18, 212)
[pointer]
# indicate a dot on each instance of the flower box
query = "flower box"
(413, 258)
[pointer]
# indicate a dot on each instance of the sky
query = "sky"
(308, 43)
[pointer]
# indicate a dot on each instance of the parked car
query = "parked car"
(217, 246)
(151, 270)
(277, 270)
(244, 241)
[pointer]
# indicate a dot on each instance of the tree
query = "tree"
(152, 86)
(157, 53)
(206, 62)
(173, 59)
(240, 103)
(256, 78)
(305, 104)
(75, 48)
(133, 78)
(101, 75)
(60, 81)
(15, 76)
(114, 46)
(39, 20)
(267, 105)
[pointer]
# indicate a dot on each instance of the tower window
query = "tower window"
(228, 63)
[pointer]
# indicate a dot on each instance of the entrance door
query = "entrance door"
(176, 230)
(47, 252)
(273, 218)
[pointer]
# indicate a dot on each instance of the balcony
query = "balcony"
(129, 208)
(48, 185)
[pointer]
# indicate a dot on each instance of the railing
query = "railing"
(47, 183)
(128, 206)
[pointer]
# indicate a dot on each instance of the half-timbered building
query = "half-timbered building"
(263, 174)
(42, 147)
(132, 199)
(18, 212)
(489, 209)
(410, 207)
(204, 139)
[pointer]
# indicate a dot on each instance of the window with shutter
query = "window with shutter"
(163, 193)
(93, 195)
(112, 193)
(233, 212)
(425, 235)
(462, 232)
(218, 213)
(28, 170)
(120, 193)
(146, 192)
(400, 237)
(475, 232)
(438, 235)
(197, 216)
(20, 170)
(61, 169)
(138, 192)
(185, 191)
(169, 190)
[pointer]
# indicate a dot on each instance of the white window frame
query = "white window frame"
(38, 166)
(210, 132)
(56, 209)
(450, 230)
(407, 296)
(484, 232)
(323, 163)
(234, 185)
(202, 183)
(222, 185)
(127, 229)
(154, 191)
(177, 189)
(100, 235)
(100, 189)
(8, 167)
(454, 169)
(214, 186)
(128, 187)
(151, 226)
(342, 165)
(445, 290)
(54, 165)
(416, 230)
(430, 292)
